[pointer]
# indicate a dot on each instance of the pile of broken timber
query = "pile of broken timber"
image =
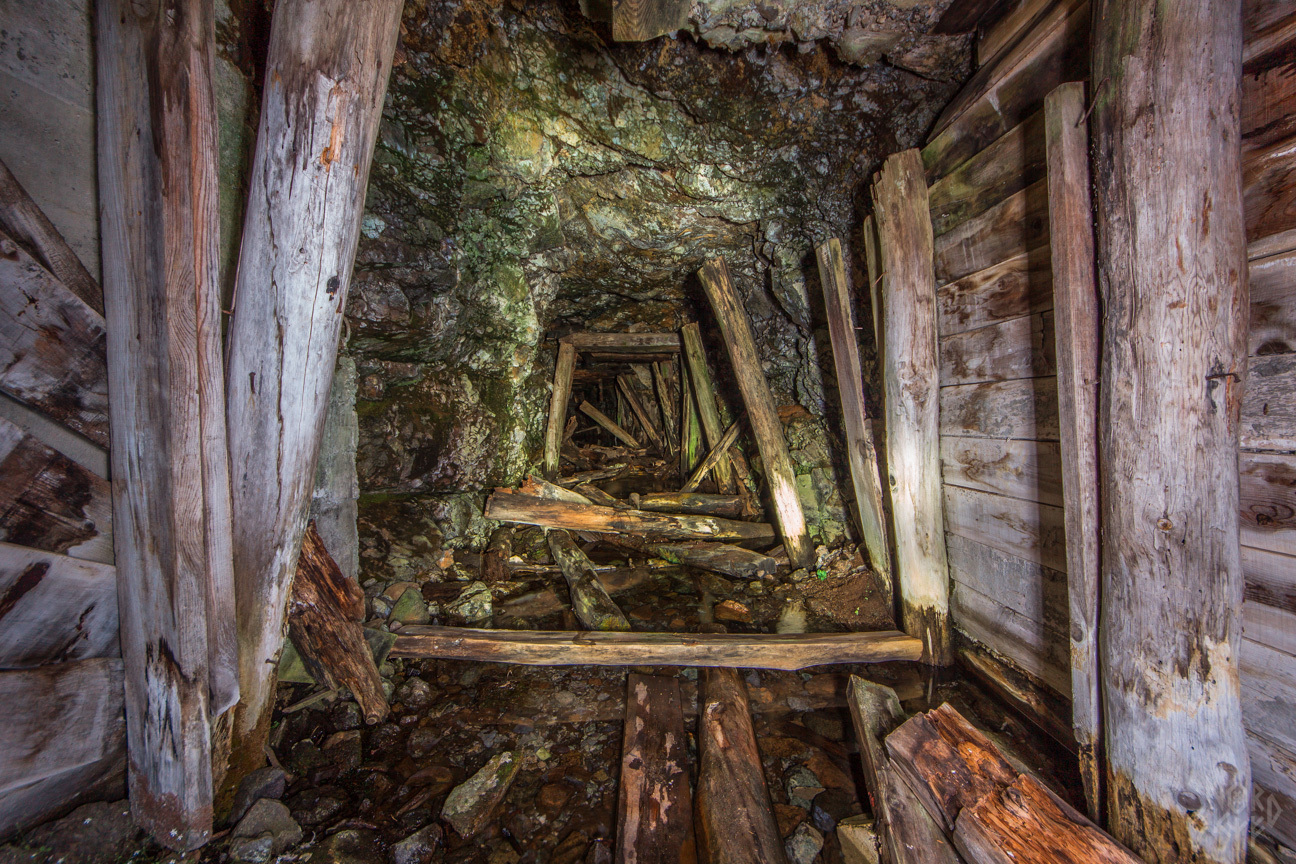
(942, 793)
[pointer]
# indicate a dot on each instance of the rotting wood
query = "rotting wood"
(1169, 421)
(54, 608)
(873, 263)
(509, 507)
(909, 378)
(718, 455)
(729, 506)
(705, 399)
(734, 815)
(560, 648)
(654, 804)
(495, 560)
(51, 346)
(160, 227)
(907, 834)
(860, 451)
(538, 487)
(718, 558)
(1015, 225)
(558, 407)
(595, 495)
(27, 225)
(324, 617)
(1040, 705)
(1076, 317)
(667, 400)
(762, 414)
(646, 421)
(623, 343)
(590, 602)
(326, 74)
(1015, 287)
(610, 425)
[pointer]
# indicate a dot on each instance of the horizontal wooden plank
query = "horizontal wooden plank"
(1026, 587)
(1270, 578)
(1273, 304)
(1266, 625)
(54, 608)
(1014, 467)
(624, 343)
(559, 648)
(1269, 693)
(1268, 406)
(1270, 47)
(51, 346)
(1017, 348)
(1021, 285)
(1273, 797)
(1014, 226)
(38, 802)
(1013, 98)
(1268, 107)
(1259, 16)
(1269, 189)
(49, 502)
(72, 713)
(1267, 501)
(1026, 408)
(1012, 162)
(1028, 644)
(1026, 529)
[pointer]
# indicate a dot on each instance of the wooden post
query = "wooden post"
(562, 384)
(912, 383)
(713, 458)
(1172, 273)
(610, 425)
(762, 413)
(326, 73)
(705, 399)
(873, 261)
(171, 494)
(860, 452)
(1076, 327)
(654, 807)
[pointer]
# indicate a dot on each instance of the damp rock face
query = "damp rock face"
(533, 177)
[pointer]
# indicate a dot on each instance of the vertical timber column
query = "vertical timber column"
(1172, 273)
(171, 493)
(1076, 326)
(766, 427)
(911, 383)
(562, 385)
(326, 74)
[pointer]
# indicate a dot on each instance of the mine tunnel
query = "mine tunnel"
(789, 431)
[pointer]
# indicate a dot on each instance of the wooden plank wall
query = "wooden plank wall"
(999, 429)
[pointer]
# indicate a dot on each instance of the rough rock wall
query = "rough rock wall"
(533, 177)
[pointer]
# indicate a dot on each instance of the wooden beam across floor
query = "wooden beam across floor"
(790, 651)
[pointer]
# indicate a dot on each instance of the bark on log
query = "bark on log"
(909, 377)
(762, 414)
(158, 162)
(610, 425)
(560, 648)
(729, 506)
(734, 816)
(324, 618)
(705, 398)
(590, 601)
(558, 407)
(326, 74)
(655, 806)
(507, 507)
(1076, 312)
(1171, 266)
(860, 452)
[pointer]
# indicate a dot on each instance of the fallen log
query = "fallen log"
(562, 384)
(509, 507)
(734, 814)
(789, 651)
(655, 806)
(324, 622)
(722, 558)
(610, 425)
(592, 605)
(719, 454)
(705, 399)
(729, 506)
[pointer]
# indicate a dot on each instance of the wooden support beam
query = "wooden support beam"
(762, 413)
(734, 815)
(705, 399)
(664, 380)
(562, 384)
(873, 262)
(27, 225)
(718, 455)
(526, 510)
(646, 421)
(860, 453)
(55, 608)
(654, 806)
(158, 163)
(583, 648)
(610, 425)
(912, 385)
(326, 75)
(690, 426)
(623, 343)
(1076, 322)
(592, 605)
(1171, 272)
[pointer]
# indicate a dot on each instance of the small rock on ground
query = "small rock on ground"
(268, 782)
(469, 804)
(419, 847)
(353, 846)
(804, 844)
(267, 830)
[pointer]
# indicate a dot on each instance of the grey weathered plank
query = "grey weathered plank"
(1028, 529)
(1273, 304)
(42, 800)
(1031, 645)
(1269, 693)
(1268, 409)
(1025, 408)
(1019, 286)
(1014, 226)
(1270, 578)
(1016, 348)
(1270, 626)
(1025, 587)
(1011, 163)
(654, 805)
(1267, 503)
(54, 608)
(1006, 466)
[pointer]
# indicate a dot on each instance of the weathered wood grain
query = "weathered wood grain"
(526, 510)
(1269, 189)
(1273, 305)
(647, 422)
(1020, 469)
(640, 20)
(1026, 408)
(558, 400)
(592, 605)
(861, 454)
(326, 74)
(1031, 645)
(1268, 411)
(1043, 706)
(51, 503)
(910, 383)
(1270, 626)
(723, 558)
(1268, 115)
(623, 343)
(1017, 348)
(1267, 502)
(1029, 588)
(1171, 259)
(1028, 529)
(1012, 227)
(34, 803)
(665, 384)
(1017, 19)
(1270, 578)
(705, 399)
(51, 346)
(1273, 800)
(54, 608)
(762, 413)
(1269, 693)
(873, 263)
(610, 425)
(1012, 162)
(702, 503)
(655, 804)
(555, 648)
(1019, 286)
(712, 461)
